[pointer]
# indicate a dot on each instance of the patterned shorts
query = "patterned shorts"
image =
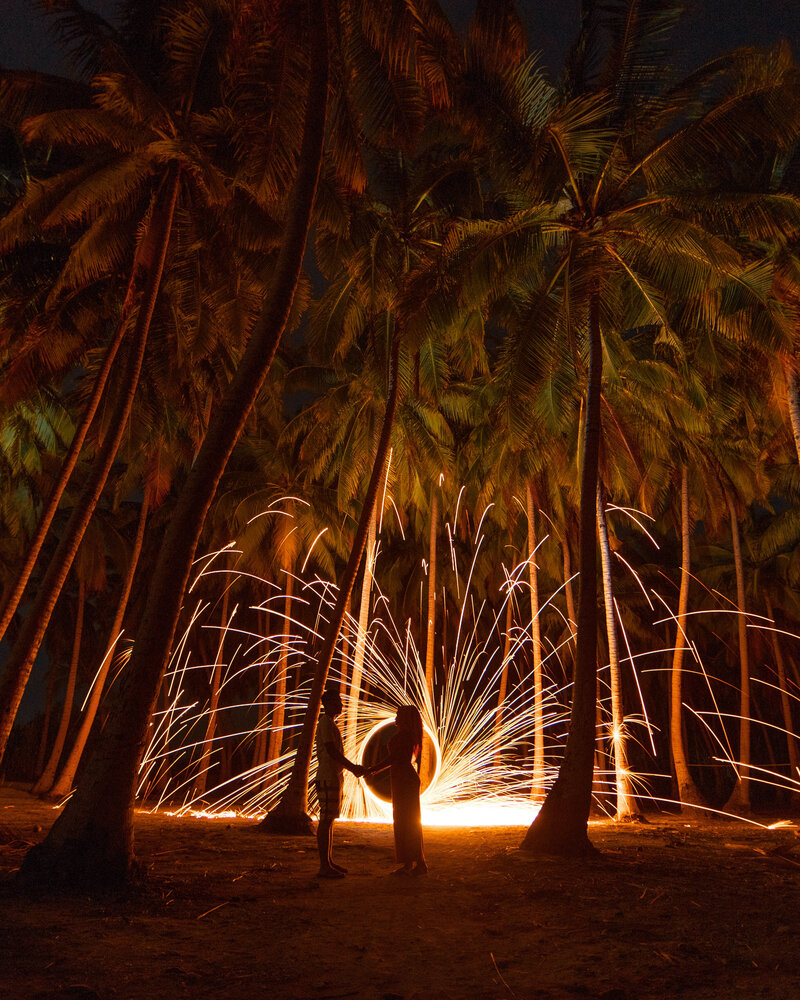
(329, 794)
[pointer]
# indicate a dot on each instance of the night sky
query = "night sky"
(712, 27)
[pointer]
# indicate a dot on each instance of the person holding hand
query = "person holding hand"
(331, 763)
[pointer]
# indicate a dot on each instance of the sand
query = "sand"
(670, 909)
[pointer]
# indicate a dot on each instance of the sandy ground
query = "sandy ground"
(670, 909)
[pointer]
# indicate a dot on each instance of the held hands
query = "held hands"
(359, 770)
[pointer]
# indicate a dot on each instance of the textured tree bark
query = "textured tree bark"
(66, 777)
(26, 647)
(537, 782)
(45, 782)
(625, 810)
(688, 792)
(289, 815)
(561, 826)
(739, 800)
(92, 840)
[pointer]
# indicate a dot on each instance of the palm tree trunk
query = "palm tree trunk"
(290, 812)
(537, 784)
(345, 651)
(739, 800)
(63, 783)
(786, 706)
(619, 734)
(26, 647)
(43, 785)
(92, 839)
(503, 692)
(569, 590)
(688, 792)
(279, 708)
(359, 652)
(11, 602)
(561, 826)
(427, 759)
(201, 779)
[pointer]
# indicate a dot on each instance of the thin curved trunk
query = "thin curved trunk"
(427, 761)
(279, 708)
(561, 826)
(63, 783)
(537, 783)
(688, 792)
(290, 812)
(739, 800)
(503, 692)
(345, 652)
(619, 733)
(261, 741)
(360, 648)
(71, 458)
(92, 839)
(201, 779)
(30, 638)
(786, 705)
(45, 782)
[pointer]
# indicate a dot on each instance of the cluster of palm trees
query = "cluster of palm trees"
(274, 252)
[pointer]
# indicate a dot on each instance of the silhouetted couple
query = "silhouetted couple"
(404, 749)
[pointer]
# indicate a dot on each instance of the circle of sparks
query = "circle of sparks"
(370, 793)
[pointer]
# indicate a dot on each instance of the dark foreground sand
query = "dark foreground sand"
(670, 910)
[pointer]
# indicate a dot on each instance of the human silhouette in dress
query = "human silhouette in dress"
(404, 750)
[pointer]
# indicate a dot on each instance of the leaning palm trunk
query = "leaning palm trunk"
(45, 782)
(204, 764)
(739, 800)
(290, 813)
(537, 782)
(360, 647)
(26, 647)
(92, 839)
(63, 783)
(688, 793)
(562, 824)
(619, 734)
(569, 590)
(11, 603)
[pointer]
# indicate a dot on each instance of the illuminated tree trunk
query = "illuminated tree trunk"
(561, 826)
(786, 706)
(282, 671)
(92, 839)
(739, 800)
(262, 736)
(569, 590)
(537, 784)
(688, 793)
(619, 734)
(26, 647)
(360, 648)
(503, 692)
(345, 651)
(201, 779)
(47, 777)
(63, 783)
(34, 546)
(427, 761)
(290, 813)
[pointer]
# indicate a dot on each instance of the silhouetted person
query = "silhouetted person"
(404, 749)
(331, 762)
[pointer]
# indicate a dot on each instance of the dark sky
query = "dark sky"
(712, 27)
